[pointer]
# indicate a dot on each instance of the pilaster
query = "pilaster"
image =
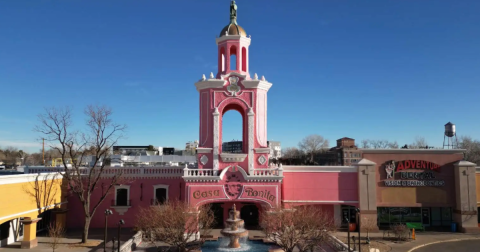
(251, 126)
(367, 194)
(465, 211)
(215, 139)
(30, 233)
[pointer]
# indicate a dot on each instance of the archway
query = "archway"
(233, 129)
(217, 210)
(250, 214)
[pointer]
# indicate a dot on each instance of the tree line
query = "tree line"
(314, 149)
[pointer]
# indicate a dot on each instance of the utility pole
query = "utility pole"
(43, 151)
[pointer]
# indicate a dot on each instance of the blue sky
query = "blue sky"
(363, 69)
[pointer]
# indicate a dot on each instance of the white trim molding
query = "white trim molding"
(262, 150)
(201, 150)
(264, 85)
(25, 178)
(337, 169)
(21, 214)
(413, 151)
(321, 201)
(210, 83)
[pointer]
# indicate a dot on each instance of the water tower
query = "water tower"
(450, 136)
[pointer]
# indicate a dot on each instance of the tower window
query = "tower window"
(244, 59)
(233, 58)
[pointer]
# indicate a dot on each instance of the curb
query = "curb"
(431, 243)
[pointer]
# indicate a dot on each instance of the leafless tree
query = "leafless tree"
(55, 232)
(312, 144)
(176, 223)
(369, 225)
(418, 143)
(9, 155)
(365, 143)
(100, 134)
(472, 147)
(304, 227)
(378, 144)
(291, 152)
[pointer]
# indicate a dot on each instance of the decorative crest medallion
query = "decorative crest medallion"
(233, 190)
(233, 88)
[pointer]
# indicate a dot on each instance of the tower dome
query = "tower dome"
(233, 28)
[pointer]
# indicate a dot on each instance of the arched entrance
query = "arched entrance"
(217, 210)
(250, 214)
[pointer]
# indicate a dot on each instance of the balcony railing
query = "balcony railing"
(121, 203)
(199, 172)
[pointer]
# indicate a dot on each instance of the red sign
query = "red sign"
(417, 164)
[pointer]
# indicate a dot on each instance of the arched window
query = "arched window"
(122, 197)
(233, 58)
(244, 59)
(160, 194)
(232, 132)
(222, 59)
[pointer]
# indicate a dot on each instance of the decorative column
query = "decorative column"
(367, 192)
(29, 233)
(465, 211)
(251, 126)
(215, 139)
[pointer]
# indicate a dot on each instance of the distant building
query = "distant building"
(275, 149)
(136, 150)
(347, 153)
(168, 151)
(232, 147)
(191, 147)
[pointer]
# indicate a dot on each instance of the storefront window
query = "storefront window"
(434, 216)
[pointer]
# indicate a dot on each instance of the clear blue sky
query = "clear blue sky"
(363, 69)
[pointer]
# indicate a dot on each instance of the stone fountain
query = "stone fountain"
(234, 229)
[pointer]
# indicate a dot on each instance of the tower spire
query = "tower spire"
(233, 12)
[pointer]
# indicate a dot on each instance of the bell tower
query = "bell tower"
(233, 89)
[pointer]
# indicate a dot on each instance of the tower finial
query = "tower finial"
(233, 12)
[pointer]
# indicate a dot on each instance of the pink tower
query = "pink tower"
(233, 89)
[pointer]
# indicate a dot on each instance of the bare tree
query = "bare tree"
(369, 225)
(55, 232)
(100, 134)
(9, 155)
(291, 152)
(472, 149)
(304, 227)
(312, 144)
(378, 144)
(176, 223)
(365, 143)
(418, 143)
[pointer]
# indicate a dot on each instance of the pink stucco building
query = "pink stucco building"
(247, 180)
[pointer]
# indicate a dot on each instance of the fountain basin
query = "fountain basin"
(221, 245)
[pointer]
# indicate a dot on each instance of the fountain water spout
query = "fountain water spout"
(234, 230)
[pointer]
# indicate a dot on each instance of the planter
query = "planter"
(352, 227)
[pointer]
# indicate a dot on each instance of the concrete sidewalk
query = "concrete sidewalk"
(422, 238)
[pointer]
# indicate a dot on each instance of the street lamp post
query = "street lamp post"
(120, 223)
(348, 230)
(359, 227)
(107, 213)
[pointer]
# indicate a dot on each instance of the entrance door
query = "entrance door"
(249, 214)
(217, 210)
(426, 217)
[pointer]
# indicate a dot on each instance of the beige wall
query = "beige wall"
(416, 196)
